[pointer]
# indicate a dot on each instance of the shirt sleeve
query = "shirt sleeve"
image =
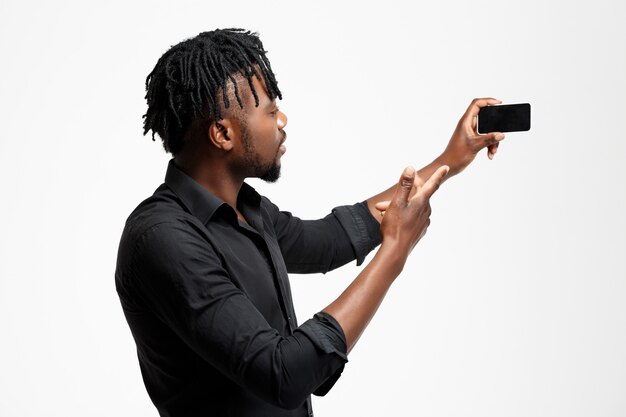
(310, 246)
(179, 276)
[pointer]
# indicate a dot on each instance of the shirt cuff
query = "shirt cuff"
(328, 337)
(361, 227)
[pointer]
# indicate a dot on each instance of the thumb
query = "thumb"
(405, 185)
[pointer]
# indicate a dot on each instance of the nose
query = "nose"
(282, 120)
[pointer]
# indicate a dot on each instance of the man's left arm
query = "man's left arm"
(460, 152)
(350, 232)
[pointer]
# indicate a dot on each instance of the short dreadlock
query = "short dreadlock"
(186, 79)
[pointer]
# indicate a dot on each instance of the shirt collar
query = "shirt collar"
(202, 203)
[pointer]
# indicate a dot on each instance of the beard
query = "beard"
(272, 174)
(268, 173)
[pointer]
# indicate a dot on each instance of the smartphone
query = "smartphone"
(504, 118)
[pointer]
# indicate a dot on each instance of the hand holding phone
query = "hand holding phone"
(504, 118)
(469, 138)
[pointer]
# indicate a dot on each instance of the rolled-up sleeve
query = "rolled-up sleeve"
(311, 246)
(328, 336)
(362, 229)
(184, 283)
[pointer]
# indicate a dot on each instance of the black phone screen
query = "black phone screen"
(504, 118)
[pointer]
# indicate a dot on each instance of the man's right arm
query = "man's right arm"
(183, 282)
(405, 222)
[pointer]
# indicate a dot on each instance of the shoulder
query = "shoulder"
(159, 223)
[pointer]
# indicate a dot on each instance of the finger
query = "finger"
(382, 205)
(418, 182)
(492, 149)
(488, 139)
(404, 186)
(424, 231)
(433, 183)
(478, 103)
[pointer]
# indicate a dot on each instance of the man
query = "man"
(202, 271)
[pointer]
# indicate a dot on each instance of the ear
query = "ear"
(222, 134)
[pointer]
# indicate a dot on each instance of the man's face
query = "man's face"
(262, 135)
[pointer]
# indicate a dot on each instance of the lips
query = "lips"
(282, 147)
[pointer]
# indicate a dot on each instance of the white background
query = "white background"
(513, 303)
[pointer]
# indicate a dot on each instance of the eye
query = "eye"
(275, 112)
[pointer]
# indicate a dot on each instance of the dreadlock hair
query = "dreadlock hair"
(186, 81)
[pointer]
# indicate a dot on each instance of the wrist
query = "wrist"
(392, 256)
(446, 159)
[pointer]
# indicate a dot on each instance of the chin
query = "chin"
(272, 174)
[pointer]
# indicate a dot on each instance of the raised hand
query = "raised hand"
(465, 142)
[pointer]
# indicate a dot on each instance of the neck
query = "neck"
(213, 176)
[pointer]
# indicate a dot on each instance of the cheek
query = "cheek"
(271, 133)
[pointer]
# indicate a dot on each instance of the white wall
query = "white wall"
(512, 305)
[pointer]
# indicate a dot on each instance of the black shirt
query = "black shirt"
(208, 300)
